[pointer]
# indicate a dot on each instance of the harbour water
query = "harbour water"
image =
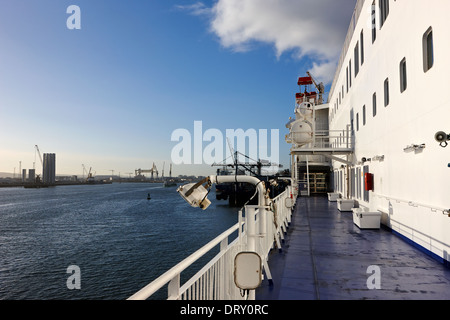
(120, 240)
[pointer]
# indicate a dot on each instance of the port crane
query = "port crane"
(320, 87)
(153, 170)
(36, 150)
(90, 177)
(247, 166)
(84, 170)
(129, 174)
(89, 174)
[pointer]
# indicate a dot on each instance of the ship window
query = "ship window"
(374, 27)
(350, 73)
(428, 54)
(386, 92)
(374, 104)
(357, 122)
(352, 182)
(384, 11)
(338, 181)
(358, 183)
(364, 115)
(335, 181)
(356, 59)
(352, 127)
(347, 79)
(362, 47)
(403, 77)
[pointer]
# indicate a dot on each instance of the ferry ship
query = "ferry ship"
(377, 146)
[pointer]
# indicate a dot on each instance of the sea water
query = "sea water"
(119, 240)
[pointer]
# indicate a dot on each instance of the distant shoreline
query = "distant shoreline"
(81, 183)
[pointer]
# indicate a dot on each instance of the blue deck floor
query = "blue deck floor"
(326, 257)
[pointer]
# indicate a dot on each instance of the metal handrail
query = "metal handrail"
(262, 228)
(445, 211)
(330, 139)
(175, 272)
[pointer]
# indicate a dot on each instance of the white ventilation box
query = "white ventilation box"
(366, 219)
(345, 204)
(333, 196)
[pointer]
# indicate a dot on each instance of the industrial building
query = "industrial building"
(49, 169)
(32, 175)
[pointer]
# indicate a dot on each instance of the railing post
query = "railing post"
(348, 136)
(262, 222)
(251, 228)
(240, 224)
(174, 288)
(224, 244)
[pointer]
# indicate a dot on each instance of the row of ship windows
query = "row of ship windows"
(356, 182)
(383, 6)
(428, 62)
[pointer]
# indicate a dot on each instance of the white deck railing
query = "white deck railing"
(334, 139)
(328, 142)
(259, 229)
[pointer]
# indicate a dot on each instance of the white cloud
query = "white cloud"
(197, 9)
(324, 71)
(305, 28)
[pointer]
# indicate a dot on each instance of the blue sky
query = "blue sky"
(110, 94)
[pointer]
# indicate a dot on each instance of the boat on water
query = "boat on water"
(35, 186)
(169, 183)
(240, 193)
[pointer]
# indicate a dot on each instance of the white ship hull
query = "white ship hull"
(411, 173)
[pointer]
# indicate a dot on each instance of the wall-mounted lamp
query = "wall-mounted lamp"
(414, 147)
(196, 193)
(378, 158)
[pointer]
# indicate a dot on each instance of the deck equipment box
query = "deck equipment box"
(333, 196)
(366, 219)
(345, 204)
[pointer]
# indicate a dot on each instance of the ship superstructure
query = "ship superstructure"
(314, 144)
(389, 110)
